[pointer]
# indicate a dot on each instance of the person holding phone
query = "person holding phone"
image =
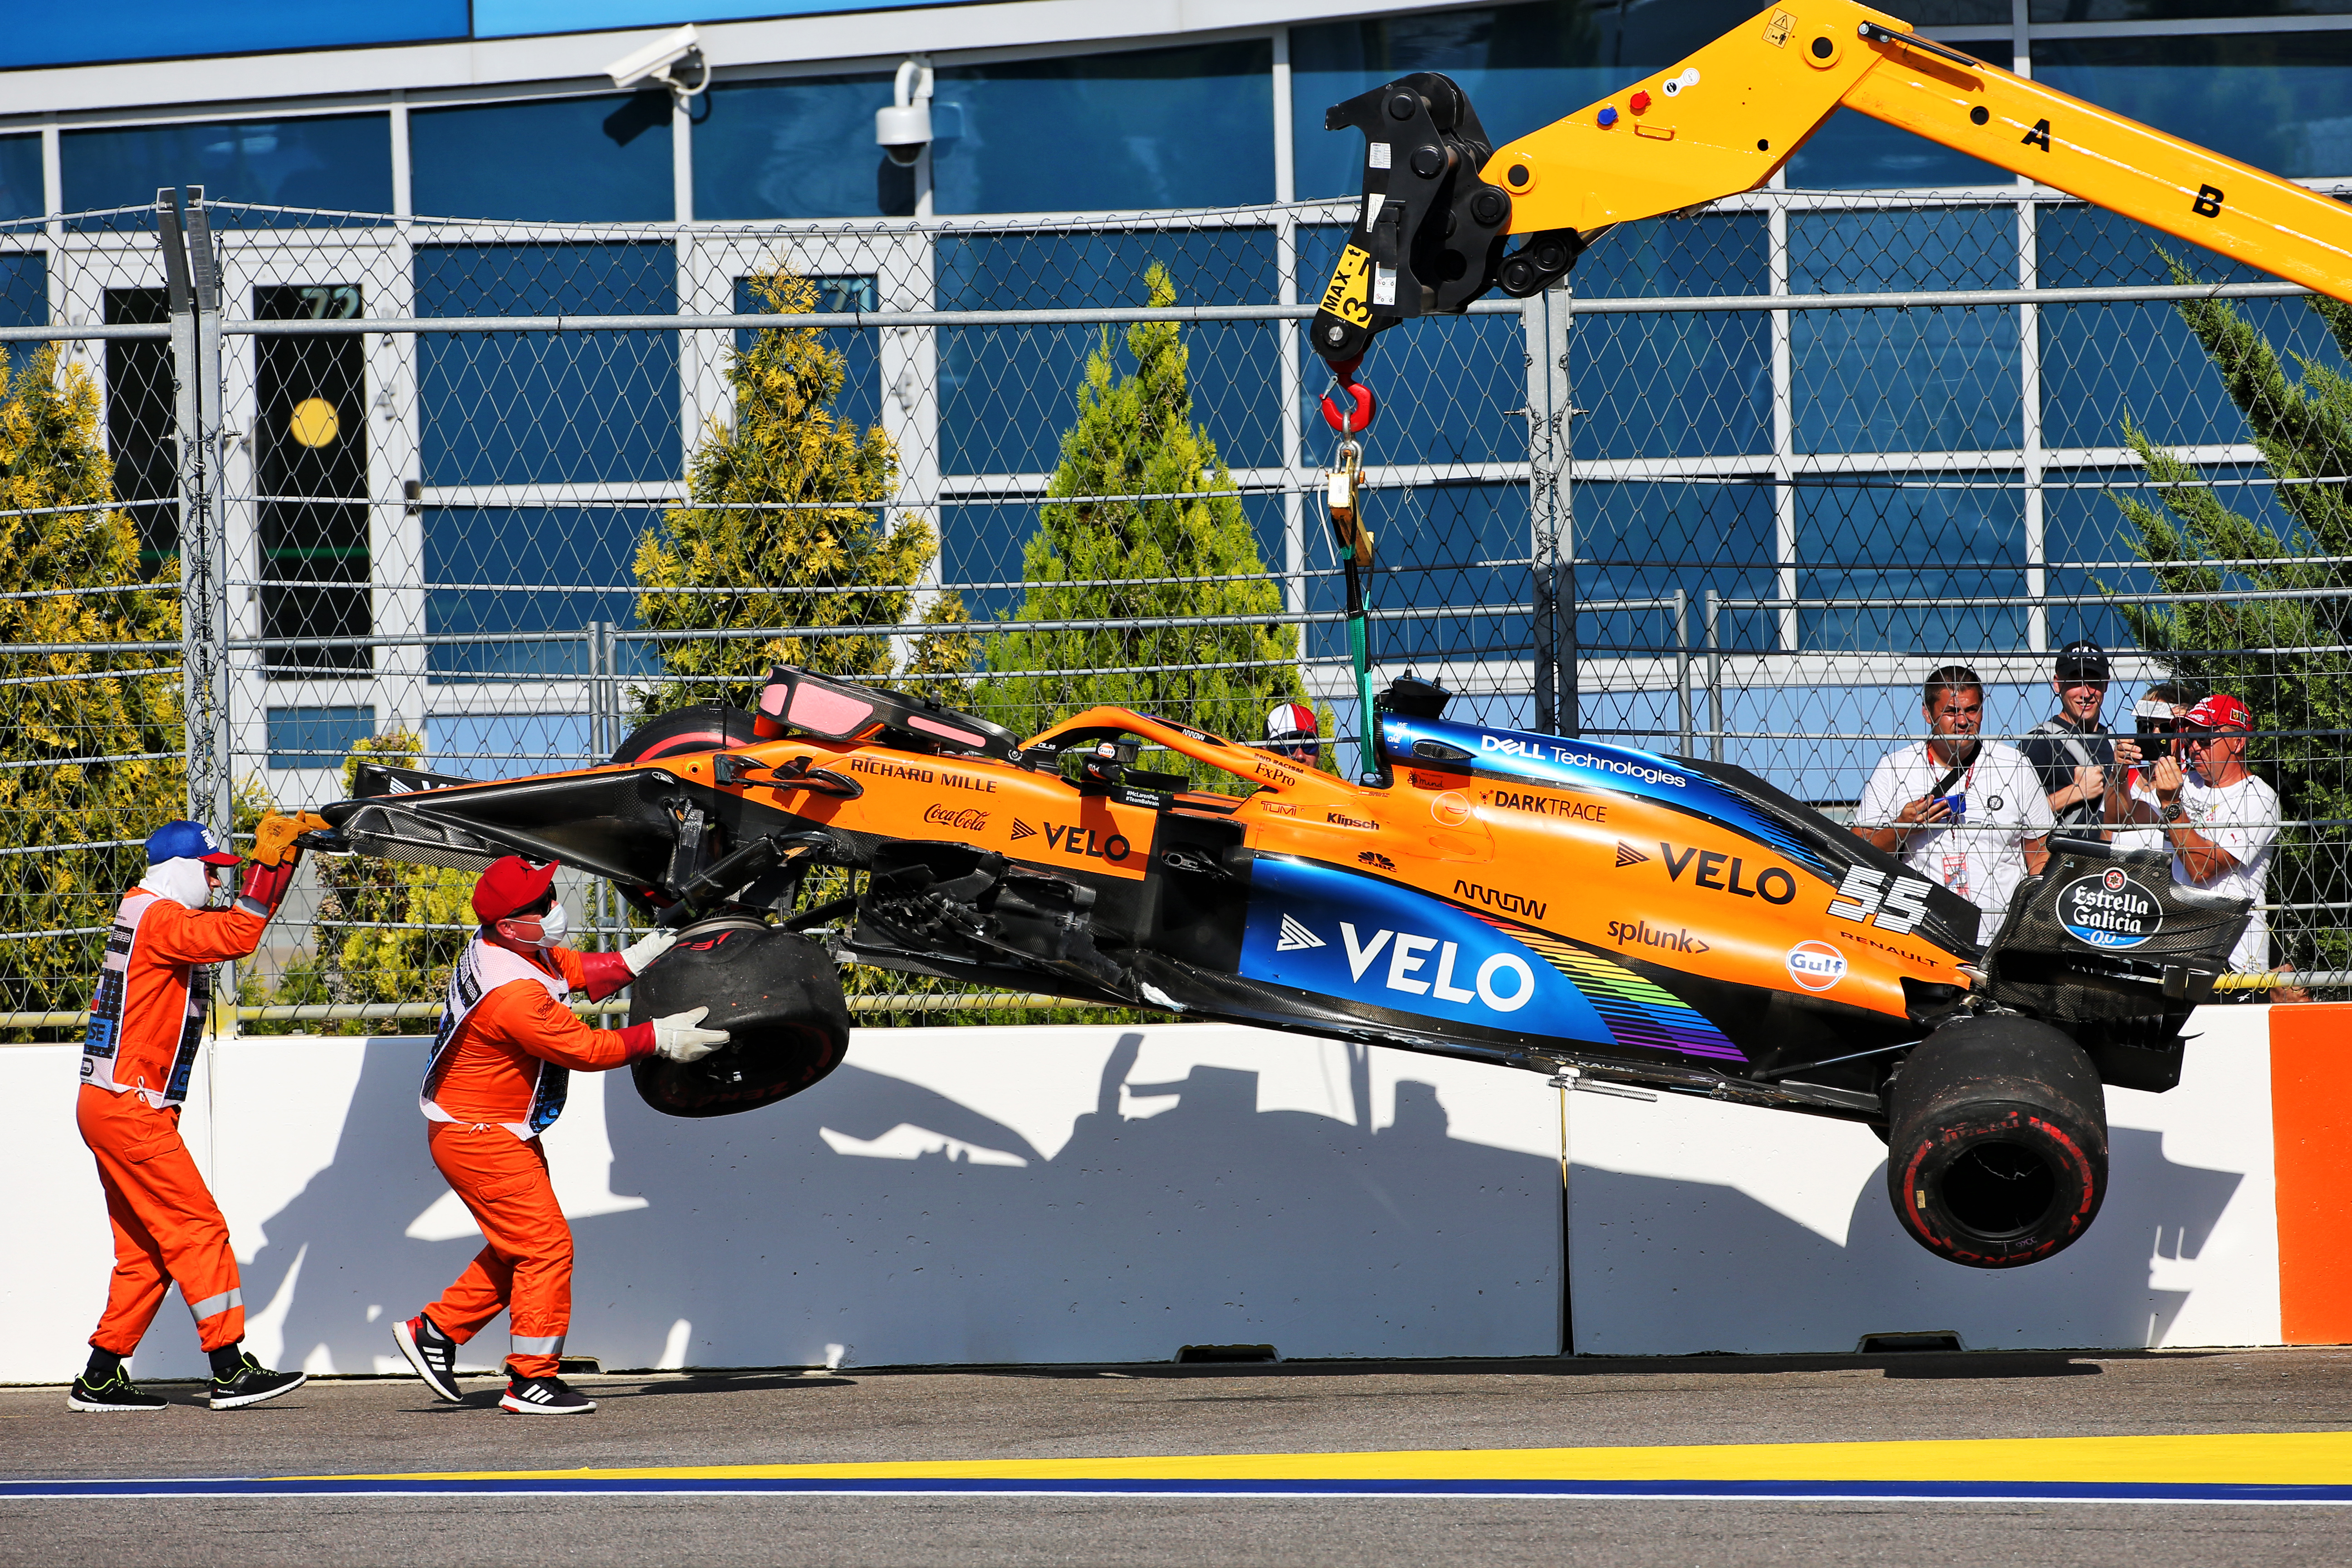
(1962, 810)
(2082, 764)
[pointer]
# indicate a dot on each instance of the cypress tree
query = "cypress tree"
(2302, 428)
(785, 444)
(83, 567)
(1108, 561)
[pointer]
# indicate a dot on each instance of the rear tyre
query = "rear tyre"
(777, 995)
(1996, 1146)
(704, 727)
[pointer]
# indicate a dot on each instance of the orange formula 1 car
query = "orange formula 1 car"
(1609, 915)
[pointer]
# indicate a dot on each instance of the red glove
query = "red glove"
(265, 887)
(602, 973)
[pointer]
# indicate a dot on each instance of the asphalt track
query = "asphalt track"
(2232, 1457)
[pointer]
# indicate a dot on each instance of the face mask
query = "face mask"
(552, 927)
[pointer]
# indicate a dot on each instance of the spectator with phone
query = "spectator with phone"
(2217, 819)
(1962, 810)
(2082, 764)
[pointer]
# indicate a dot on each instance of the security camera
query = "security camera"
(904, 129)
(654, 62)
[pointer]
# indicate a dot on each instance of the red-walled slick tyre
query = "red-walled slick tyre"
(1997, 1153)
(704, 727)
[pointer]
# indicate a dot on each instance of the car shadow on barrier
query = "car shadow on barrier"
(1672, 1266)
(873, 1219)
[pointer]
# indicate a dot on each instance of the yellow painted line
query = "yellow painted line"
(2244, 1458)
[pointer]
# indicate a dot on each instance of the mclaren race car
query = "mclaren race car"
(1617, 919)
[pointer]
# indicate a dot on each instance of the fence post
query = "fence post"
(192, 292)
(1544, 319)
(1681, 670)
(1714, 677)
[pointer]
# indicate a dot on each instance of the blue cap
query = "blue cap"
(188, 841)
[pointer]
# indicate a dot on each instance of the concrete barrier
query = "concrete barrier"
(1106, 1193)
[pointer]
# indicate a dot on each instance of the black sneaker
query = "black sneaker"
(117, 1393)
(544, 1397)
(253, 1384)
(433, 1354)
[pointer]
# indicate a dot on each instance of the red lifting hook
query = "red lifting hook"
(1357, 419)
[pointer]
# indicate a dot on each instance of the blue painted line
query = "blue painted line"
(1675, 1490)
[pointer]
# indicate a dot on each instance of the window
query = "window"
(507, 745)
(316, 737)
(340, 162)
(568, 160)
(546, 407)
(1186, 127)
(25, 289)
(1674, 385)
(1920, 380)
(797, 149)
(1641, 541)
(142, 422)
(521, 552)
(1946, 542)
(310, 457)
(20, 177)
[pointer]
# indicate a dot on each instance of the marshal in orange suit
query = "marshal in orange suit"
(496, 1078)
(147, 1022)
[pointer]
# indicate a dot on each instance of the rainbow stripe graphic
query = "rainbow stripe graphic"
(1638, 1011)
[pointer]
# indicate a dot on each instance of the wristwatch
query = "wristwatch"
(2173, 813)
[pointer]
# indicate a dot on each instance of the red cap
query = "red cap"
(510, 884)
(2219, 712)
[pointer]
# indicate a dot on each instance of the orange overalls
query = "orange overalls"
(145, 1025)
(496, 1077)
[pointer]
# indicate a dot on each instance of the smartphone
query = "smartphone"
(1958, 805)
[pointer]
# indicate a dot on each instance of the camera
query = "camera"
(2155, 718)
(903, 129)
(655, 61)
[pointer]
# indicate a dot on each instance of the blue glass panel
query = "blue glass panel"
(2102, 365)
(1675, 385)
(1940, 542)
(316, 737)
(339, 162)
(860, 400)
(24, 290)
(158, 29)
(587, 551)
(20, 177)
(508, 745)
(543, 407)
(2091, 542)
(568, 160)
(1188, 127)
(2171, 10)
(1881, 381)
(1641, 541)
(1007, 394)
(1851, 152)
(1452, 388)
(983, 544)
(2276, 100)
(797, 149)
(1438, 545)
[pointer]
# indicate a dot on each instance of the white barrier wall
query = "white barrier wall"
(1699, 1226)
(1100, 1194)
(973, 1194)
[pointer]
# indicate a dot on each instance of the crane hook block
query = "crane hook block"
(1359, 417)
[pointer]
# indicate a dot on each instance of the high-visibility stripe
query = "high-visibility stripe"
(214, 1306)
(552, 1345)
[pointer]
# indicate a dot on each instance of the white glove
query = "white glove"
(640, 954)
(677, 1037)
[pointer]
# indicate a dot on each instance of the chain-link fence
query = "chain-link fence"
(480, 496)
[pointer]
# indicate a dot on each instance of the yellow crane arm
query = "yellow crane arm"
(1430, 236)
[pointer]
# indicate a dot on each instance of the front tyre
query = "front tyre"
(1996, 1146)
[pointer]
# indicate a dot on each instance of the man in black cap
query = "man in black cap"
(2080, 764)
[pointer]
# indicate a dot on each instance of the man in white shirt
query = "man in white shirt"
(2219, 820)
(1963, 811)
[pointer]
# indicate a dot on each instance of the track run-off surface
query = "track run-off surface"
(2182, 1456)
